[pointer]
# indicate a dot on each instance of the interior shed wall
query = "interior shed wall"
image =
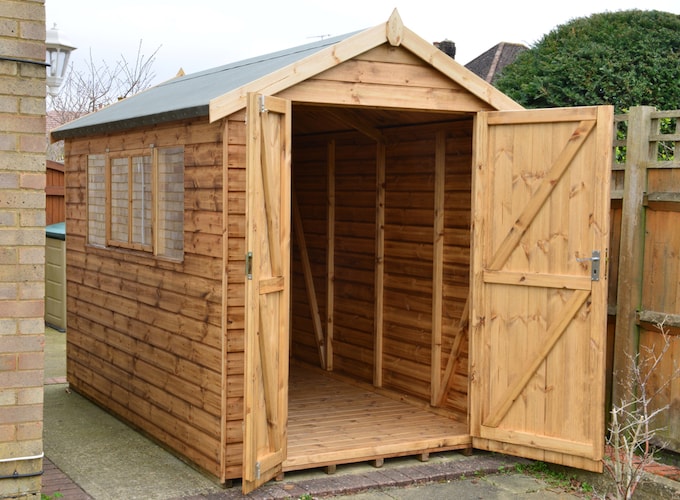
(354, 243)
(413, 337)
(144, 333)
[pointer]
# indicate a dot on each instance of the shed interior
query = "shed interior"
(381, 258)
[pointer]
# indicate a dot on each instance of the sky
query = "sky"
(200, 34)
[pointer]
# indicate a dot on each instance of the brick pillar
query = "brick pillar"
(22, 246)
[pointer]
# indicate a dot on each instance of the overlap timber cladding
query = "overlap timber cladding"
(144, 333)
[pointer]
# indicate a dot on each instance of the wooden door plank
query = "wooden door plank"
(545, 443)
(532, 207)
(271, 188)
(554, 333)
(537, 279)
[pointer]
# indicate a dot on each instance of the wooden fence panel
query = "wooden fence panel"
(645, 259)
(55, 206)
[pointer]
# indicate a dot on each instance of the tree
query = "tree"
(624, 58)
(95, 86)
(98, 85)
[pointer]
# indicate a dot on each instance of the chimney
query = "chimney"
(447, 47)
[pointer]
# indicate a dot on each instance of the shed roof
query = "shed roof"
(186, 96)
(221, 91)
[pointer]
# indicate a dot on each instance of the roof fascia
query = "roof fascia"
(331, 56)
(456, 72)
(126, 124)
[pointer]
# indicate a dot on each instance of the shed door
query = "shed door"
(538, 318)
(267, 288)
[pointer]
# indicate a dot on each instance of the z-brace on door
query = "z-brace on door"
(538, 319)
(267, 298)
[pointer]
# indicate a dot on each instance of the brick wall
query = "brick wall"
(22, 245)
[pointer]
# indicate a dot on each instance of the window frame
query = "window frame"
(158, 230)
(130, 244)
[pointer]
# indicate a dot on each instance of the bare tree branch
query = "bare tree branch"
(632, 426)
(100, 84)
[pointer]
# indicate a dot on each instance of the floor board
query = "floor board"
(332, 422)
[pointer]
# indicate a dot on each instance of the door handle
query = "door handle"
(595, 267)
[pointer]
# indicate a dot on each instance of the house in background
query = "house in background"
(272, 268)
(490, 64)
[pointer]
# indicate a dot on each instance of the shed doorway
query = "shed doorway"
(376, 298)
(377, 292)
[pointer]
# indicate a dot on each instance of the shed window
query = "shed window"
(136, 201)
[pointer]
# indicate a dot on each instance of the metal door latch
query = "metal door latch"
(595, 268)
(249, 265)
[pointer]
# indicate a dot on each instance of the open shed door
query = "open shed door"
(267, 288)
(538, 317)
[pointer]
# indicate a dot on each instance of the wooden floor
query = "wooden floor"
(332, 422)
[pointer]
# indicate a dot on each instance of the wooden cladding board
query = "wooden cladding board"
(408, 254)
(144, 334)
(386, 76)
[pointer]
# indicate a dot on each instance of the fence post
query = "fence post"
(629, 291)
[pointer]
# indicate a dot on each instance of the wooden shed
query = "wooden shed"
(272, 268)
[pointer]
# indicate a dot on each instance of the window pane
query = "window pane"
(141, 200)
(119, 200)
(171, 202)
(96, 200)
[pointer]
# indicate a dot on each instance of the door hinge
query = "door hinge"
(257, 470)
(263, 108)
(595, 267)
(249, 265)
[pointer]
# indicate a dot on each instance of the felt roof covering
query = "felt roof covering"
(186, 96)
(221, 91)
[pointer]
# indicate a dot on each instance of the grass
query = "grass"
(556, 479)
(54, 496)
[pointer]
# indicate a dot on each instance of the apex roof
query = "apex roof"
(220, 91)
